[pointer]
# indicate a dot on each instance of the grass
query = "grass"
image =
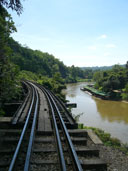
(84, 80)
(107, 139)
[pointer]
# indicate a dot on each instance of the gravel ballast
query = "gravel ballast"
(116, 160)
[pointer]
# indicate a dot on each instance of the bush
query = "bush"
(107, 139)
(2, 113)
(124, 96)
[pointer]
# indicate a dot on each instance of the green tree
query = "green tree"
(57, 77)
(97, 76)
(13, 4)
(125, 93)
(73, 73)
(8, 71)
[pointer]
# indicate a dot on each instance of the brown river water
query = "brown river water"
(111, 116)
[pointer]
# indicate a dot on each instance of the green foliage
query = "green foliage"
(101, 68)
(83, 80)
(13, 4)
(111, 80)
(9, 86)
(126, 88)
(43, 64)
(2, 113)
(97, 75)
(57, 77)
(27, 75)
(125, 93)
(22, 63)
(35, 61)
(108, 140)
(80, 126)
(124, 96)
(55, 84)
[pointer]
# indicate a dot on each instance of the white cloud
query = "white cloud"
(110, 46)
(92, 47)
(103, 36)
(107, 54)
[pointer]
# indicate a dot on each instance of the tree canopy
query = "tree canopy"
(13, 4)
(8, 71)
(113, 79)
(43, 63)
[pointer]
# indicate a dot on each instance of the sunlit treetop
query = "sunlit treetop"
(13, 4)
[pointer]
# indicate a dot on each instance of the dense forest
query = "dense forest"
(42, 64)
(8, 71)
(113, 81)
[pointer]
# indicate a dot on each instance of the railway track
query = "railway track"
(16, 141)
(43, 136)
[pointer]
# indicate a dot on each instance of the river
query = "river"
(111, 116)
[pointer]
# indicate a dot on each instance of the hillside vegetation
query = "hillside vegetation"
(100, 68)
(18, 62)
(113, 81)
(41, 63)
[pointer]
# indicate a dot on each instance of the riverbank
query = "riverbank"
(95, 92)
(112, 151)
(108, 115)
(107, 139)
(99, 94)
(124, 101)
(84, 80)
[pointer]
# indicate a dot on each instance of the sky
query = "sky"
(78, 32)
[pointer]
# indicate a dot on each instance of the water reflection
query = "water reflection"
(110, 116)
(112, 111)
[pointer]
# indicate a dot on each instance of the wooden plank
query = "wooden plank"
(94, 137)
(72, 105)
(5, 119)
(42, 162)
(44, 123)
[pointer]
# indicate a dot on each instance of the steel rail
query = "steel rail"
(59, 145)
(13, 161)
(19, 111)
(32, 134)
(76, 162)
(63, 106)
(77, 166)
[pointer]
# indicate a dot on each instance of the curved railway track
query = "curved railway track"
(19, 113)
(43, 136)
(76, 166)
(32, 112)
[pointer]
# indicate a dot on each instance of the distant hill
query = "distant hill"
(41, 63)
(102, 68)
(36, 61)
